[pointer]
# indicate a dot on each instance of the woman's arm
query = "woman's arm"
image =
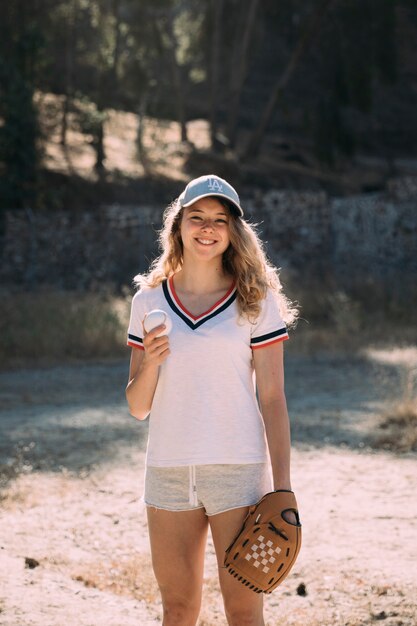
(144, 371)
(269, 369)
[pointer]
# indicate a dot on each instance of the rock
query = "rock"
(301, 589)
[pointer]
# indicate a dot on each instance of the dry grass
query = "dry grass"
(54, 327)
(335, 321)
(49, 327)
(400, 428)
(131, 576)
(327, 606)
(399, 421)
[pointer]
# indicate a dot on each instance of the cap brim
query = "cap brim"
(219, 195)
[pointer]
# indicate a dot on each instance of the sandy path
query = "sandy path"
(72, 469)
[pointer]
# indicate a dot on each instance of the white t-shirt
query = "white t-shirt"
(204, 408)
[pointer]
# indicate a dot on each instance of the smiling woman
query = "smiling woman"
(213, 451)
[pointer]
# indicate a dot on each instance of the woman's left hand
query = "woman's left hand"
(289, 516)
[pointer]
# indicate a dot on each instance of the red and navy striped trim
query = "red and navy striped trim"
(135, 342)
(269, 338)
(191, 320)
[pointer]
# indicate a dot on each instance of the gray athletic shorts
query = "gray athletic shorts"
(215, 488)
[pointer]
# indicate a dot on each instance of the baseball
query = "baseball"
(156, 317)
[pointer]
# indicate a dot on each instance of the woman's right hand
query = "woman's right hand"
(156, 348)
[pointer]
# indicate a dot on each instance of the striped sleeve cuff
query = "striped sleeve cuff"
(269, 338)
(135, 342)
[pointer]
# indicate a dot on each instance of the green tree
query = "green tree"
(21, 59)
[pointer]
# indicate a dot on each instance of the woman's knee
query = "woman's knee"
(238, 615)
(180, 611)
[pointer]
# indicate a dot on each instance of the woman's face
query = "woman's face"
(205, 228)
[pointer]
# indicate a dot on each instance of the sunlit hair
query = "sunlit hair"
(245, 259)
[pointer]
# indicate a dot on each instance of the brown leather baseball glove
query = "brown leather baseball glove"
(265, 549)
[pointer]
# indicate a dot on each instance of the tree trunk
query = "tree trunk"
(304, 42)
(64, 123)
(239, 75)
(117, 42)
(166, 16)
(69, 73)
(177, 78)
(98, 144)
(217, 8)
(141, 152)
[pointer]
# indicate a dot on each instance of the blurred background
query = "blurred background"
(108, 107)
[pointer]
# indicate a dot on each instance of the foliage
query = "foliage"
(174, 59)
(21, 60)
(358, 49)
(18, 138)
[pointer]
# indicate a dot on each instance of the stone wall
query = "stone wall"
(372, 235)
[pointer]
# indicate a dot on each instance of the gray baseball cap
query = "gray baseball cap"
(210, 185)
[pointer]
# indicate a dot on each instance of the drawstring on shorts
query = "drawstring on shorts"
(193, 487)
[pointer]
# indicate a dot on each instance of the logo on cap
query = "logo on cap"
(214, 185)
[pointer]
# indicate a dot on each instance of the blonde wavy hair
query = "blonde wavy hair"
(245, 259)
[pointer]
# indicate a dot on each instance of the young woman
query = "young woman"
(214, 448)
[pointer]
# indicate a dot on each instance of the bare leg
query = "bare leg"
(178, 540)
(242, 606)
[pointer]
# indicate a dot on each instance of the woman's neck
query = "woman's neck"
(196, 281)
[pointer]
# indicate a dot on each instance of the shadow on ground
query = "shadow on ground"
(72, 418)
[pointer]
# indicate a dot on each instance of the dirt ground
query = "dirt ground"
(73, 535)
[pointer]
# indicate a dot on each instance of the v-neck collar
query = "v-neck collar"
(191, 320)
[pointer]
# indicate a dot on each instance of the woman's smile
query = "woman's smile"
(206, 242)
